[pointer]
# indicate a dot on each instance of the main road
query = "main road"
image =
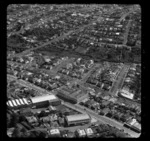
(127, 32)
(102, 119)
(119, 80)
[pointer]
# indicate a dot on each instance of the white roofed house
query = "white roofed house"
(117, 33)
(89, 132)
(125, 93)
(54, 133)
(81, 133)
(47, 59)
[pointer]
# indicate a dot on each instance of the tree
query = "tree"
(27, 125)
(22, 118)
(42, 134)
(17, 133)
(26, 134)
(42, 114)
(60, 114)
(32, 135)
(9, 118)
(15, 119)
(23, 129)
(40, 60)
(118, 134)
(103, 135)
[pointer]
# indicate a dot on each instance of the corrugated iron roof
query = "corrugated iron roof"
(21, 101)
(13, 102)
(25, 101)
(17, 101)
(77, 117)
(43, 98)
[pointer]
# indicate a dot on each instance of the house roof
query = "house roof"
(89, 131)
(54, 131)
(106, 110)
(105, 103)
(81, 132)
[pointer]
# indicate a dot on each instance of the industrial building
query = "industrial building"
(44, 101)
(78, 119)
(37, 102)
(18, 103)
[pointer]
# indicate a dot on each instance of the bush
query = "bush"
(17, 133)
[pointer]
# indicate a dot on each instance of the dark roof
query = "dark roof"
(105, 110)
(89, 102)
(106, 103)
(61, 120)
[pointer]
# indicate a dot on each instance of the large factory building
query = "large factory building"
(78, 119)
(34, 102)
(45, 100)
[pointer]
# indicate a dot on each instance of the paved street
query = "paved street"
(116, 85)
(85, 77)
(127, 32)
(102, 119)
(81, 109)
(119, 80)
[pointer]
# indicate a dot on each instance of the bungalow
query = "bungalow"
(46, 119)
(106, 103)
(31, 119)
(105, 110)
(106, 86)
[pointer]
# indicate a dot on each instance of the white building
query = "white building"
(81, 133)
(16, 103)
(89, 131)
(126, 94)
(54, 132)
(78, 119)
(43, 98)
